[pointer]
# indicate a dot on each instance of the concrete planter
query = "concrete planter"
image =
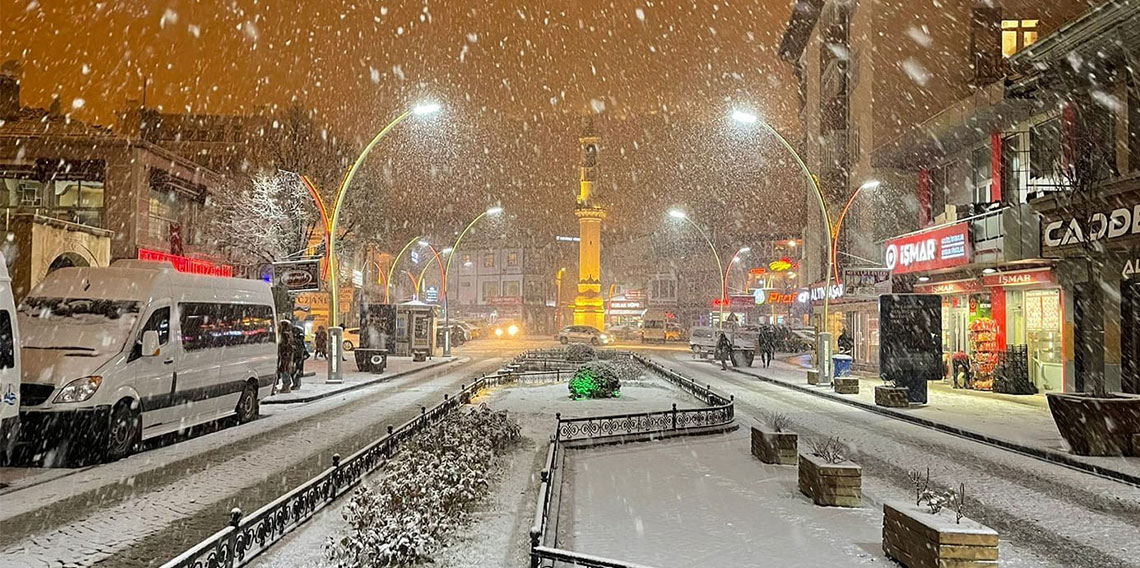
(892, 397)
(846, 385)
(831, 484)
(777, 448)
(813, 377)
(918, 539)
(1096, 426)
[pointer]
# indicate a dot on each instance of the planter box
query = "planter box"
(917, 539)
(1097, 426)
(892, 397)
(778, 448)
(813, 377)
(831, 484)
(846, 385)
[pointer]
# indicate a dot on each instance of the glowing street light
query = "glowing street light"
(425, 109)
(493, 210)
(872, 184)
(724, 280)
(824, 338)
(679, 214)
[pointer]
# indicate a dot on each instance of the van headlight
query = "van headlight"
(514, 329)
(79, 390)
(499, 331)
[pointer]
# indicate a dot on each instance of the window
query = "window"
(1044, 149)
(210, 325)
(982, 168)
(1011, 170)
(511, 289)
(489, 260)
(1017, 35)
(7, 345)
(159, 321)
(466, 260)
(22, 192)
(513, 258)
(490, 290)
(161, 213)
(1133, 127)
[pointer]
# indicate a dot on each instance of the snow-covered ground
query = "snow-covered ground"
(1047, 514)
(498, 532)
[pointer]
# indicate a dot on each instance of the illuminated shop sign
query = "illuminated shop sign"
(929, 250)
(1066, 231)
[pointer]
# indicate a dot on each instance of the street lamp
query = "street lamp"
(427, 265)
(392, 268)
(839, 223)
(724, 281)
(334, 266)
(558, 297)
(679, 214)
(823, 349)
(493, 210)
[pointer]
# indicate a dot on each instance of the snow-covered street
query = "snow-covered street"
(147, 508)
(1017, 495)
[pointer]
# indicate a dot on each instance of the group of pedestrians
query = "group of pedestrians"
(767, 338)
(291, 355)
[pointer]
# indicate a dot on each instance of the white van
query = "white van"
(9, 366)
(653, 322)
(116, 355)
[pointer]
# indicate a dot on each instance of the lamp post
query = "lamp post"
(727, 268)
(678, 214)
(334, 266)
(447, 272)
(392, 267)
(438, 261)
(823, 347)
(558, 299)
(839, 223)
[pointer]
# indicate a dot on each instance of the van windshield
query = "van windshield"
(651, 324)
(77, 324)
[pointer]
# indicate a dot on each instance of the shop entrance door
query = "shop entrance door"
(1130, 336)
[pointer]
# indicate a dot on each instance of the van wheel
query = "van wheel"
(247, 406)
(124, 431)
(564, 340)
(594, 341)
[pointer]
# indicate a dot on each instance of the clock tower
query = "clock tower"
(589, 307)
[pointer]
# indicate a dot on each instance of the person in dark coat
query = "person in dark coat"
(300, 355)
(723, 350)
(846, 343)
(321, 343)
(767, 345)
(285, 356)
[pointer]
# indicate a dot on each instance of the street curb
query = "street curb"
(1042, 454)
(363, 384)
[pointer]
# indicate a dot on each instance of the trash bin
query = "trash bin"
(842, 365)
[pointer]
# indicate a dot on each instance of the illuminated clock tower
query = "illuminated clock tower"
(589, 309)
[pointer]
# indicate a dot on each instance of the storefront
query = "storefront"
(1101, 300)
(1002, 327)
(854, 308)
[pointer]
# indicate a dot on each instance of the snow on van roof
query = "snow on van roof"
(143, 280)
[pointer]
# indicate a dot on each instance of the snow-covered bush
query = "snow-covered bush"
(426, 491)
(595, 379)
(627, 369)
(580, 352)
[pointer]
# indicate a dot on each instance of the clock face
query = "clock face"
(591, 155)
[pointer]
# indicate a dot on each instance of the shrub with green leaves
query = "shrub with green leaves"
(595, 379)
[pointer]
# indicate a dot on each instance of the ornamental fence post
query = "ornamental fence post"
(235, 520)
(674, 416)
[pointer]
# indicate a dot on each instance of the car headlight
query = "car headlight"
(513, 329)
(603, 337)
(79, 390)
(499, 331)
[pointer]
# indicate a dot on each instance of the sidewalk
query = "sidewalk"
(1019, 423)
(315, 385)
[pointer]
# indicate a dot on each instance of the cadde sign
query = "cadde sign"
(1102, 225)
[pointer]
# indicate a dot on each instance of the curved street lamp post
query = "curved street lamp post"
(823, 342)
(447, 273)
(678, 214)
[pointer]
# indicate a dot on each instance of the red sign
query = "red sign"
(187, 264)
(1044, 276)
(957, 287)
(930, 250)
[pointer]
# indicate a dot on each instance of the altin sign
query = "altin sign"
(1069, 231)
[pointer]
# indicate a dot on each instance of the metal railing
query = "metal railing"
(719, 413)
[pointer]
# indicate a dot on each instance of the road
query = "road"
(1059, 516)
(143, 510)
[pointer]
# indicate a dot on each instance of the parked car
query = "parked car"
(625, 331)
(350, 338)
(583, 334)
(702, 340)
(673, 331)
(116, 355)
(507, 328)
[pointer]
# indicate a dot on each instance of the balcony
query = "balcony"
(1006, 234)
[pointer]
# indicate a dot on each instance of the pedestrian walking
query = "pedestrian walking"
(285, 356)
(723, 350)
(321, 343)
(300, 355)
(767, 347)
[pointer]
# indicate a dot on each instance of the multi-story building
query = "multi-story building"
(78, 194)
(1057, 136)
(518, 283)
(871, 72)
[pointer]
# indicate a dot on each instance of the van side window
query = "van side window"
(159, 321)
(7, 345)
(212, 325)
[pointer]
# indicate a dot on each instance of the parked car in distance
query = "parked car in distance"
(350, 338)
(673, 331)
(702, 340)
(583, 334)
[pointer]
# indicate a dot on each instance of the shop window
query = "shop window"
(1017, 35)
(22, 192)
(161, 214)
